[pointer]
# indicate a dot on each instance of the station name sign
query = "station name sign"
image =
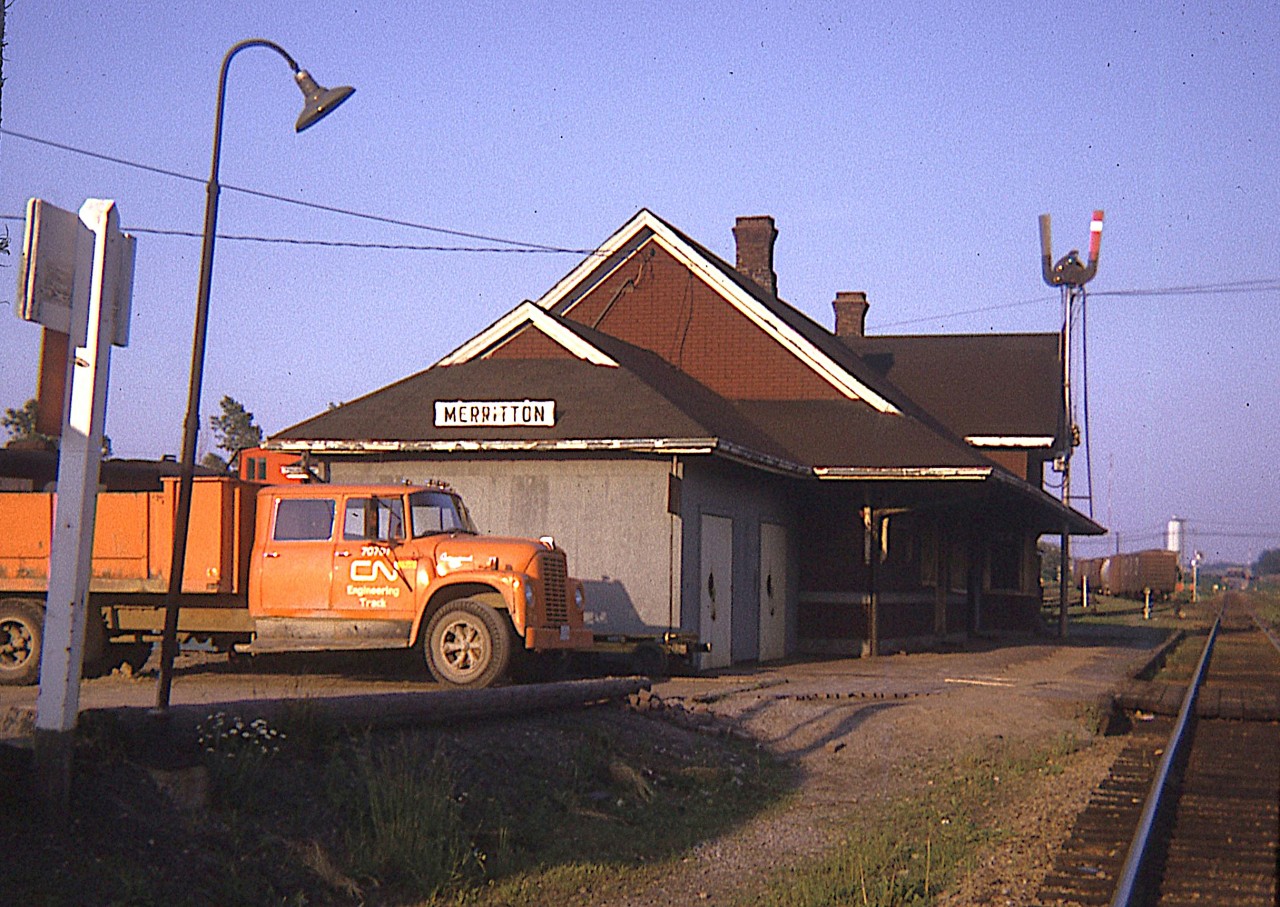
(495, 413)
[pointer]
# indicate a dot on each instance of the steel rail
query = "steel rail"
(1126, 886)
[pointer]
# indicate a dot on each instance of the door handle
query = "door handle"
(342, 554)
(271, 554)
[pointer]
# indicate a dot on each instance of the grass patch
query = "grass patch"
(910, 850)
(1266, 601)
(1107, 610)
(533, 811)
(609, 810)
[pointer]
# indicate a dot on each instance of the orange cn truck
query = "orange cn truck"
(297, 568)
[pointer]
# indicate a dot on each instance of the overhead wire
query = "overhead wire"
(502, 244)
(516, 245)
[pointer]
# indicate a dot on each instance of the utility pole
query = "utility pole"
(1070, 274)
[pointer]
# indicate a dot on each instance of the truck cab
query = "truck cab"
(394, 566)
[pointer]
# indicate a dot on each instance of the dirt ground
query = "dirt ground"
(856, 730)
(861, 729)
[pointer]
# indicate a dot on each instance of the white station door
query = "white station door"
(715, 623)
(773, 591)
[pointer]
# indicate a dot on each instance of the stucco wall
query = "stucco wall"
(610, 516)
(748, 497)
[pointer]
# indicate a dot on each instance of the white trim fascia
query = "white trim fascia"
(665, 446)
(527, 313)
(451, 445)
(897, 473)
(1035, 441)
(786, 336)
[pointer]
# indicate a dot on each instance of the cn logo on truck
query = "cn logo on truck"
(366, 571)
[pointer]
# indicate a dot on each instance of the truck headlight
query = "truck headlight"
(579, 598)
(529, 600)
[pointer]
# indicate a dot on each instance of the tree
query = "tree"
(234, 430)
(21, 425)
(21, 422)
(1268, 563)
(1050, 559)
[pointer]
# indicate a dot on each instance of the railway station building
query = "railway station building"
(716, 462)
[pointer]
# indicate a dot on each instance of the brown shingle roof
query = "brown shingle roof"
(976, 384)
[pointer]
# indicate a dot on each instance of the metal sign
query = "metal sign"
(58, 268)
(495, 413)
(55, 246)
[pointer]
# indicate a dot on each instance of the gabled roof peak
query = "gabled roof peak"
(526, 313)
(778, 320)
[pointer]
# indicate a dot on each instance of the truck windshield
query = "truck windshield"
(438, 511)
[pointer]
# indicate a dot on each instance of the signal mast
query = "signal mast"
(1070, 275)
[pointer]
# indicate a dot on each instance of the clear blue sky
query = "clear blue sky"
(905, 150)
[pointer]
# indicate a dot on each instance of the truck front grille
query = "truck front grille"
(552, 568)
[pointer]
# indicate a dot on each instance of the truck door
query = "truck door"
(295, 565)
(369, 574)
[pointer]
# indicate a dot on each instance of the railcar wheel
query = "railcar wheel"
(21, 635)
(468, 644)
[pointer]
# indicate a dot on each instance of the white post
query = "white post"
(102, 289)
(1146, 604)
(1084, 592)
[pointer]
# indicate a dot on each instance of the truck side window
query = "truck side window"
(304, 520)
(373, 519)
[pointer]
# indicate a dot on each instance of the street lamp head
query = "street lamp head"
(320, 101)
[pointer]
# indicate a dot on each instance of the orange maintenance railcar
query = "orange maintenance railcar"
(298, 568)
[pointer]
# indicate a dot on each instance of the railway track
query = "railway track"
(1190, 812)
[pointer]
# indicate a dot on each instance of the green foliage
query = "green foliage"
(234, 429)
(404, 826)
(1268, 563)
(487, 814)
(21, 422)
(909, 851)
(21, 425)
(1050, 559)
(236, 753)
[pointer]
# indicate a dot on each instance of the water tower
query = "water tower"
(1174, 534)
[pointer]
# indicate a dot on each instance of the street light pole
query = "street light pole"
(319, 102)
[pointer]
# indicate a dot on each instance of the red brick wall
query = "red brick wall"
(1013, 460)
(673, 313)
(529, 343)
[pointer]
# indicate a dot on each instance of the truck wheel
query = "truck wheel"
(21, 635)
(468, 644)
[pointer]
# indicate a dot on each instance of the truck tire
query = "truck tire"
(468, 644)
(21, 635)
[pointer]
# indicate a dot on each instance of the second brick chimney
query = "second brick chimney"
(851, 313)
(755, 237)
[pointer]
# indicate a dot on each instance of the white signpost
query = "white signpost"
(76, 277)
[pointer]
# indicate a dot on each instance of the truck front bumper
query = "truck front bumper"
(562, 637)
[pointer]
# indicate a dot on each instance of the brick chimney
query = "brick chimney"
(851, 313)
(755, 237)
